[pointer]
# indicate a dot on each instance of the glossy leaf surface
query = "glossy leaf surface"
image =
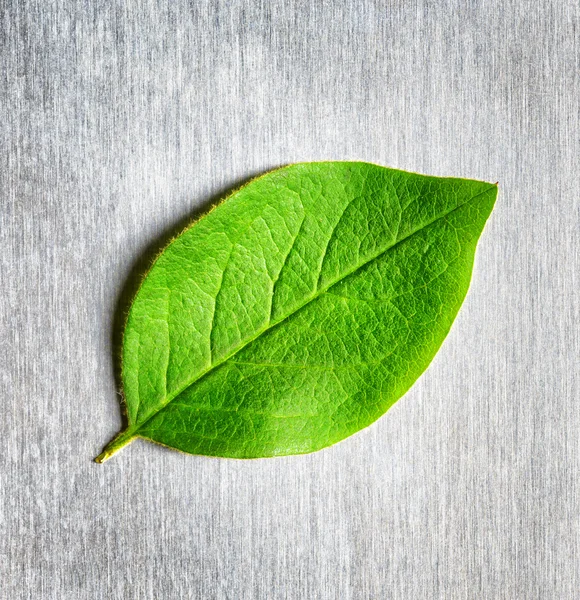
(299, 310)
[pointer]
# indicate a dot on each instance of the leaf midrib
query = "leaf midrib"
(133, 430)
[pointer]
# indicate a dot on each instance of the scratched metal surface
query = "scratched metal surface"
(118, 121)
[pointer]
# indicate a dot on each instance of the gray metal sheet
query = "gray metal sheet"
(118, 121)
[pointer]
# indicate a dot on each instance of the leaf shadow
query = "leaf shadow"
(140, 268)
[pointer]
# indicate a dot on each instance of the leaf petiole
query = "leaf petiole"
(116, 444)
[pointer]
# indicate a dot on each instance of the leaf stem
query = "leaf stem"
(119, 441)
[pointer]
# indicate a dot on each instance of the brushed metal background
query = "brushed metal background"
(119, 120)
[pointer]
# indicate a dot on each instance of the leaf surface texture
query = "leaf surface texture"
(299, 310)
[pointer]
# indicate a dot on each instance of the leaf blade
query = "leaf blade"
(319, 234)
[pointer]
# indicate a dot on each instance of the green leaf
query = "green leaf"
(299, 310)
